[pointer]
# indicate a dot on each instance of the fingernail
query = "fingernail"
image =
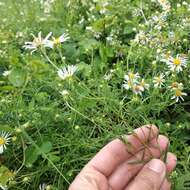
(157, 166)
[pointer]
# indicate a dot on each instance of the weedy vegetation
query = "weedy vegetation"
(75, 74)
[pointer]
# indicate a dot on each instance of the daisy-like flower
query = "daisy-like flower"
(67, 72)
(178, 94)
(138, 89)
(4, 140)
(37, 42)
(130, 79)
(158, 81)
(57, 41)
(177, 64)
(6, 73)
(176, 85)
(133, 77)
(144, 85)
(107, 76)
(165, 5)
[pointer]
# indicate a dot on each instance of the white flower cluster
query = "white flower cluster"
(39, 41)
(134, 82)
(177, 89)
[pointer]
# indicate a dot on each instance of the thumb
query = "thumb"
(150, 177)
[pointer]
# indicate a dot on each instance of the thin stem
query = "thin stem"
(49, 60)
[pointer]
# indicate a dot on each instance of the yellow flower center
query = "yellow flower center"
(158, 80)
(56, 41)
(2, 141)
(142, 84)
(131, 76)
(137, 88)
(37, 41)
(178, 93)
(174, 85)
(177, 61)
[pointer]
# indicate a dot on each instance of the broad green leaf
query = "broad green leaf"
(31, 154)
(45, 147)
(17, 77)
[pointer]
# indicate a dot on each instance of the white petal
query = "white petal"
(1, 149)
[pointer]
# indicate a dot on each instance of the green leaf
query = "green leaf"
(7, 88)
(84, 68)
(45, 147)
(54, 158)
(89, 44)
(6, 128)
(31, 154)
(17, 77)
(129, 28)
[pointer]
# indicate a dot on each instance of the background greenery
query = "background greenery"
(54, 136)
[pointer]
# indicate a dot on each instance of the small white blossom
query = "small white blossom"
(42, 186)
(178, 94)
(107, 76)
(38, 42)
(56, 41)
(144, 85)
(4, 140)
(6, 73)
(158, 81)
(130, 79)
(137, 89)
(132, 76)
(176, 85)
(67, 71)
(64, 93)
(176, 64)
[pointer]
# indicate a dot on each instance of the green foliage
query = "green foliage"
(58, 125)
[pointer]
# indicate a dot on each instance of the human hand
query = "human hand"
(118, 167)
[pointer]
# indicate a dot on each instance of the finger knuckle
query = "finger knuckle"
(147, 183)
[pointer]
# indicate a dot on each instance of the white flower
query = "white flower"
(6, 73)
(4, 140)
(3, 187)
(176, 64)
(178, 94)
(67, 71)
(132, 77)
(165, 5)
(38, 42)
(64, 92)
(158, 81)
(108, 76)
(42, 186)
(137, 89)
(176, 85)
(144, 85)
(56, 41)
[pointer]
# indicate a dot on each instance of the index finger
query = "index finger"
(116, 152)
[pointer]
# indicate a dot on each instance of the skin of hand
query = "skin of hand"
(111, 168)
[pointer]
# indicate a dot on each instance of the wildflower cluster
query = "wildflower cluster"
(73, 71)
(40, 42)
(134, 83)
